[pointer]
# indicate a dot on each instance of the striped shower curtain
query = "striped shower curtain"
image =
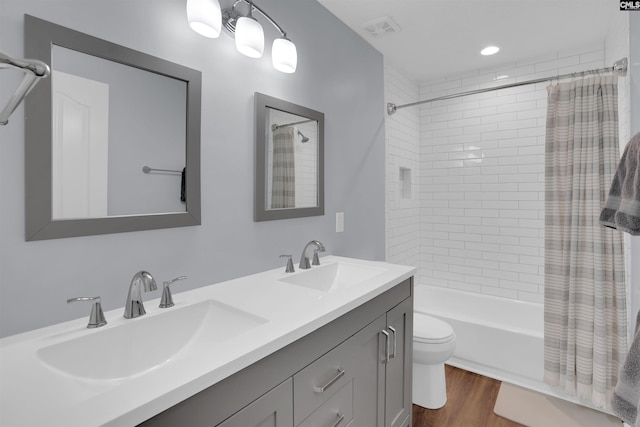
(283, 185)
(584, 296)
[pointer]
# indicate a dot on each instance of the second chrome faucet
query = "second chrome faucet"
(144, 280)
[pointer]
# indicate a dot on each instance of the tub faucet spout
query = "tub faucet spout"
(304, 259)
(134, 307)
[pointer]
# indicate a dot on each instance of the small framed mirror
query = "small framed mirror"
(289, 160)
(112, 138)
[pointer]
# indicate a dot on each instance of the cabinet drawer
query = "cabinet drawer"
(337, 411)
(318, 382)
(275, 408)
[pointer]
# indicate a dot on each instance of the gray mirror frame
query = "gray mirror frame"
(40, 35)
(262, 102)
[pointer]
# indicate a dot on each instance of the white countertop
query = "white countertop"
(33, 394)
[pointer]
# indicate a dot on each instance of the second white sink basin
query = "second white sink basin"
(334, 276)
(138, 345)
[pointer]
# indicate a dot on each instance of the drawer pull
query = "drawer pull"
(386, 346)
(393, 330)
(330, 383)
(340, 419)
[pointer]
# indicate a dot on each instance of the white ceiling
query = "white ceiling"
(441, 37)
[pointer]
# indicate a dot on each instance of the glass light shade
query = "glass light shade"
(249, 37)
(205, 17)
(284, 55)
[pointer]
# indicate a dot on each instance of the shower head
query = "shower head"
(304, 138)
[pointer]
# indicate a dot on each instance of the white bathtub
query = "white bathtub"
(497, 337)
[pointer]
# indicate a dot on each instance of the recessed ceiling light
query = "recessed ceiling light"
(489, 50)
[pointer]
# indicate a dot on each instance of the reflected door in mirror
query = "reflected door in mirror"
(80, 148)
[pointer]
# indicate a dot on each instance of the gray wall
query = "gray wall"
(338, 74)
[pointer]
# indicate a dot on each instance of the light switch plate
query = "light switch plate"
(339, 222)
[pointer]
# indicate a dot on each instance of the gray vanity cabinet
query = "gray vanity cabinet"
(353, 372)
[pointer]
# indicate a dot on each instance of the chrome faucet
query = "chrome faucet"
(167, 299)
(96, 318)
(134, 307)
(304, 259)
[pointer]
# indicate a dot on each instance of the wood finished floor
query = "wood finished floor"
(470, 401)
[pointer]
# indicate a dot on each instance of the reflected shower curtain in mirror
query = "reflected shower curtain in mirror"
(283, 188)
(584, 296)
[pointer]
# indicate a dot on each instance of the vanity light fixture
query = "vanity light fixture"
(247, 31)
(489, 50)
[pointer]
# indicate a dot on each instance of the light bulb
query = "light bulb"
(205, 17)
(284, 55)
(249, 37)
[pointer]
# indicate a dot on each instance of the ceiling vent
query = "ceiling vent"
(381, 26)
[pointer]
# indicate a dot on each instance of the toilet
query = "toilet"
(433, 344)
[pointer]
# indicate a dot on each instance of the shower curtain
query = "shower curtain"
(283, 186)
(584, 296)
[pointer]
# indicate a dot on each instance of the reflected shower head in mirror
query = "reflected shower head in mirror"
(304, 138)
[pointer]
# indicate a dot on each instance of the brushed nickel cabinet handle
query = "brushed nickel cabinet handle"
(340, 419)
(386, 346)
(332, 381)
(393, 330)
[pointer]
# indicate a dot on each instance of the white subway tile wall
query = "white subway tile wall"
(476, 218)
(403, 153)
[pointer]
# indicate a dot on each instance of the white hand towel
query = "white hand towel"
(622, 209)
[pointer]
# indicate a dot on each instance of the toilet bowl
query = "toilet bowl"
(433, 343)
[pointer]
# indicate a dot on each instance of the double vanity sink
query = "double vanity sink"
(132, 369)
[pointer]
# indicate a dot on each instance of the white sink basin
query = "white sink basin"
(333, 277)
(138, 345)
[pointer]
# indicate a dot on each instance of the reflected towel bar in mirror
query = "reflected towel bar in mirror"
(147, 169)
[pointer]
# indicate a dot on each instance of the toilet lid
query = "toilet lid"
(428, 329)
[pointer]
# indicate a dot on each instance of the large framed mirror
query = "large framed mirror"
(289, 161)
(112, 138)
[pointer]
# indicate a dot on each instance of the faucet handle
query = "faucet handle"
(316, 258)
(167, 300)
(289, 268)
(96, 318)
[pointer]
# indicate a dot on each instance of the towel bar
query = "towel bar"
(34, 71)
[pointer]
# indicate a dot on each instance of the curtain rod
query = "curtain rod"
(276, 126)
(619, 67)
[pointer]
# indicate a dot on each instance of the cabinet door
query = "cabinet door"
(382, 385)
(400, 364)
(369, 381)
(274, 409)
